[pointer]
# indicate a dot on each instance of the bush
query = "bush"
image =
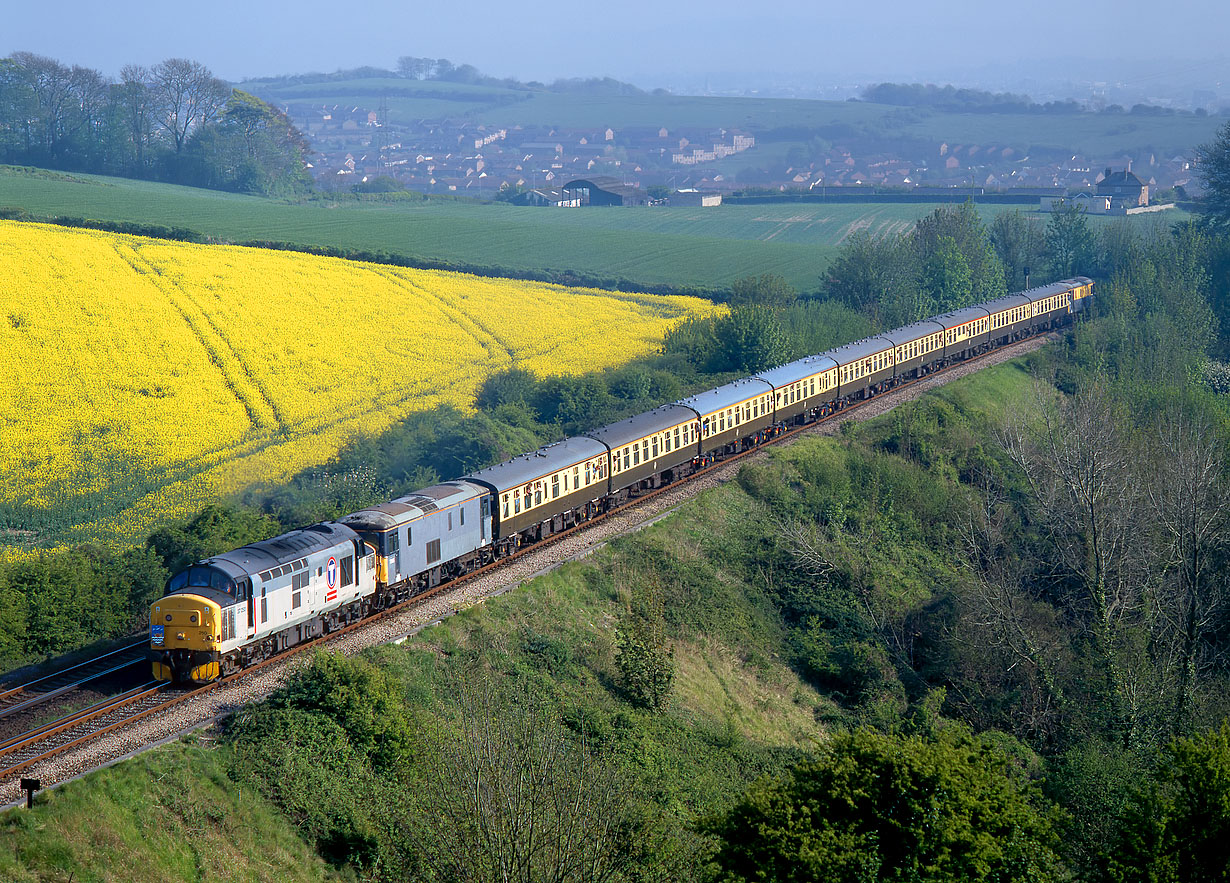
(876, 807)
(360, 698)
(646, 669)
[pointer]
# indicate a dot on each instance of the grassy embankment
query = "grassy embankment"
(711, 580)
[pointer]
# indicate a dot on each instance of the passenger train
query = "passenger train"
(238, 608)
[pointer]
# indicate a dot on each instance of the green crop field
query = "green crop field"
(676, 246)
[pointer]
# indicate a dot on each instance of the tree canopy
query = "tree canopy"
(881, 807)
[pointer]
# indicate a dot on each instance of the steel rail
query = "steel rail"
(11, 691)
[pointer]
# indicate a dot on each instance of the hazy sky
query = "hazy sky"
(633, 39)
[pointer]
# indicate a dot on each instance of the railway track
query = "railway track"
(32, 749)
(22, 698)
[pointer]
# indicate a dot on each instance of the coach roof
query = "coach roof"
(862, 349)
(1007, 303)
(799, 369)
(539, 463)
(960, 317)
(635, 428)
(726, 396)
(913, 332)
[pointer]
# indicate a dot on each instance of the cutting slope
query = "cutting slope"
(141, 378)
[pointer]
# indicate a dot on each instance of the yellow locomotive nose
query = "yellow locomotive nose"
(184, 632)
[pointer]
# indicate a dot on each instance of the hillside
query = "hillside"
(710, 581)
(409, 101)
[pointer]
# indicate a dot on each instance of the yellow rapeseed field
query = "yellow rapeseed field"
(141, 378)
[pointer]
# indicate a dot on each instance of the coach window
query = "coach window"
(555, 485)
(450, 520)
(517, 501)
(506, 505)
(576, 477)
(538, 495)
(462, 512)
(676, 436)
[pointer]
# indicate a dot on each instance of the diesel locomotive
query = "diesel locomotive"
(232, 610)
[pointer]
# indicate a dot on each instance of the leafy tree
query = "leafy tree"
(871, 273)
(1213, 170)
(878, 807)
(511, 386)
(1177, 828)
(945, 282)
(963, 225)
(254, 148)
(1070, 243)
(749, 339)
(306, 764)
(415, 68)
(576, 402)
(1019, 243)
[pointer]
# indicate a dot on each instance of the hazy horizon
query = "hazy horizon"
(790, 42)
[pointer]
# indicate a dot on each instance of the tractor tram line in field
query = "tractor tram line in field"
(45, 749)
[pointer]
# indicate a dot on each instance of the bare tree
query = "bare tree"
(1077, 461)
(137, 102)
(1001, 615)
(49, 82)
(188, 96)
(515, 798)
(1190, 504)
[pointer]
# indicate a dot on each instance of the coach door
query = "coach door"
(243, 589)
